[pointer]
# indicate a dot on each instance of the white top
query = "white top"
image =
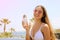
(38, 34)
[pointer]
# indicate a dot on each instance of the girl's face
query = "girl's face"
(38, 13)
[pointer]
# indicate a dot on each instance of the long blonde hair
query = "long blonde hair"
(45, 19)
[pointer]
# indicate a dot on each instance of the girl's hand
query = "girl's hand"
(25, 25)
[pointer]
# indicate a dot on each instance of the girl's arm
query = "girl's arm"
(46, 33)
(27, 28)
(27, 35)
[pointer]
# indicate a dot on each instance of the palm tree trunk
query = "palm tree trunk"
(11, 30)
(4, 27)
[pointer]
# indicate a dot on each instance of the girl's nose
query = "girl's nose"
(37, 12)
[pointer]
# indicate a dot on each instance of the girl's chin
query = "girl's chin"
(37, 18)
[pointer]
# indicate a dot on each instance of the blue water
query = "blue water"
(19, 33)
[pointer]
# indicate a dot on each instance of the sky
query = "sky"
(14, 10)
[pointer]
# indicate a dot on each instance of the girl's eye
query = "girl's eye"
(39, 11)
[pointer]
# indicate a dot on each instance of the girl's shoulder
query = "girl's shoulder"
(45, 28)
(45, 25)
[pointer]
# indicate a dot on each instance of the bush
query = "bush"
(5, 35)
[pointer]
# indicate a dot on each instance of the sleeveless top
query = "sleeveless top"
(38, 34)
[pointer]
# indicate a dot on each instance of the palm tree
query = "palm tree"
(31, 22)
(0, 24)
(32, 19)
(12, 29)
(5, 21)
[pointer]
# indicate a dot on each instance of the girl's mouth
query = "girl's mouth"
(37, 15)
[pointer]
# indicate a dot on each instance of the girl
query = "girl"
(41, 29)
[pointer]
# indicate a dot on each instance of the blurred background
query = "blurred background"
(11, 12)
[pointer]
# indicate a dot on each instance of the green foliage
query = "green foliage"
(32, 19)
(5, 35)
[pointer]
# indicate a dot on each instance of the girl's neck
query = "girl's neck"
(38, 21)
